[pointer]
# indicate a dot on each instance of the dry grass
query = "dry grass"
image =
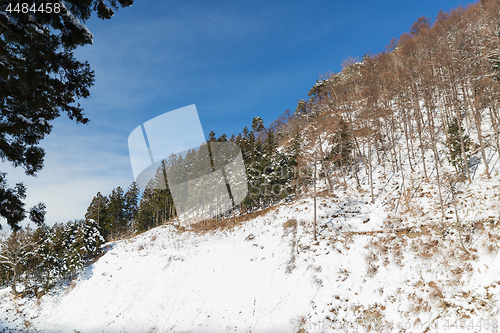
(290, 224)
(436, 243)
(290, 227)
(212, 225)
(372, 270)
(343, 274)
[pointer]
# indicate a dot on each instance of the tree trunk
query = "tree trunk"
(430, 110)
(495, 123)
(420, 129)
(476, 114)
(314, 223)
(459, 120)
(14, 280)
(370, 176)
(327, 175)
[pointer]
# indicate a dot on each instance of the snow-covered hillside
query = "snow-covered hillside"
(371, 269)
(259, 277)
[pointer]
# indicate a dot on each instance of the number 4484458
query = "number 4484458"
(25, 8)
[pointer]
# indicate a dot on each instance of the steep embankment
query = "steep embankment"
(371, 269)
(261, 276)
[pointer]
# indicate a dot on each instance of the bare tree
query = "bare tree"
(15, 251)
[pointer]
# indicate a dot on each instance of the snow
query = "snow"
(163, 280)
(26, 120)
(276, 281)
(75, 21)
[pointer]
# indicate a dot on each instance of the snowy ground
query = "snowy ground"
(267, 276)
(260, 277)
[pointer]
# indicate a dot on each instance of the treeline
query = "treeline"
(40, 258)
(270, 178)
(424, 96)
(116, 213)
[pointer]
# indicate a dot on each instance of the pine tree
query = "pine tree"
(83, 243)
(145, 215)
(93, 239)
(40, 79)
(342, 145)
(11, 202)
(115, 222)
(98, 212)
(294, 149)
(44, 260)
(132, 202)
(55, 250)
(73, 243)
(456, 157)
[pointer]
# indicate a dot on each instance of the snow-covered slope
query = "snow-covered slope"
(259, 277)
(267, 275)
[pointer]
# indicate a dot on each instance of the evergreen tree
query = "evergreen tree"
(294, 149)
(132, 202)
(211, 137)
(115, 222)
(45, 258)
(222, 138)
(269, 170)
(62, 250)
(98, 211)
(39, 79)
(145, 215)
(12, 205)
(342, 145)
(456, 157)
(83, 241)
(72, 244)
(258, 124)
(55, 261)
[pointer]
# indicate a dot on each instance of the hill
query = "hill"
(392, 225)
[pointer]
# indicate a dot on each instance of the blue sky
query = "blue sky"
(234, 59)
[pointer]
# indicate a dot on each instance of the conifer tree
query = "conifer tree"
(97, 211)
(145, 214)
(115, 222)
(294, 150)
(342, 145)
(456, 156)
(45, 258)
(40, 79)
(131, 202)
(83, 240)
